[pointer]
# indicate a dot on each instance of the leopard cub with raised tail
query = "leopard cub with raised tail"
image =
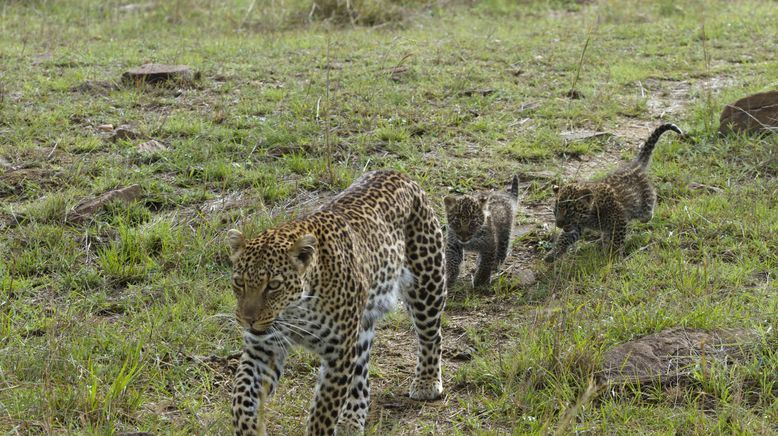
(607, 205)
(481, 223)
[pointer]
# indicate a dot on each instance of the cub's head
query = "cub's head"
(465, 215)
(573, 205)
(268, 274)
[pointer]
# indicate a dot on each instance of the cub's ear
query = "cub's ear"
(237, 243)
(449, 201)
(302, 252)
(555, 188)
(482, 200)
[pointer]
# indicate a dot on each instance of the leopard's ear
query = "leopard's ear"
(449, 201)
(302, 252)
(237, 244)
(555, 188)
(482, 200)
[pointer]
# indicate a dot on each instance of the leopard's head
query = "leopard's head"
(268, 274)
(465, 215)
(573, 205)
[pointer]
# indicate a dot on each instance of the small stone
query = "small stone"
(703, 187)
(472, 92)
(526, 277)
(157, 73)
(756, 113)
(124, 132)
(574, 94)
(152, 146)
(105, 127)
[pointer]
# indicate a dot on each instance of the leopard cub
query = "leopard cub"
(608, 204)
(481, 223)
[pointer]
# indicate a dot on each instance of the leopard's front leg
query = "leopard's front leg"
(335, 374)
(256, 378)
(563, 243)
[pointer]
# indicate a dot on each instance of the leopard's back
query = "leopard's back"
(633, 190)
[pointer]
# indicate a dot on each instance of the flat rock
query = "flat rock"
(756, 113)
(157, 73)
(124, 132)
(105, 128)
(152, 146)
(670, 355)
(88, 207)
(526, 277)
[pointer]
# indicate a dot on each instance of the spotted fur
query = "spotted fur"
(609, 204)
(322, 282)
(481, 224)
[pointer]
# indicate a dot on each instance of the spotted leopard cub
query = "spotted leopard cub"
(322, 282)
(608, 204)
(482, 224)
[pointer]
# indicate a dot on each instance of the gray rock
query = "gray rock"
(526, 277)
(152, 146)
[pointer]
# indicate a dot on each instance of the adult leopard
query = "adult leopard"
(322, 281)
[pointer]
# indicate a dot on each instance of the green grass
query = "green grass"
(106, 323)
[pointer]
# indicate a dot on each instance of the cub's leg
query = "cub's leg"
(256, 378)
(426, 299)
(617, 233)
(503, 243)
(563, 243)
(454, 256)
(486, 264)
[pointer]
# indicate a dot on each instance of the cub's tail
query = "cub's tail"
(645, 153)
(515, 187)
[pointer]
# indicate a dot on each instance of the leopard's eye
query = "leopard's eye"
(237, 285)
(273, 285)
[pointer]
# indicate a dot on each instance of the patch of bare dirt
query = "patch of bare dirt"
(666, 97)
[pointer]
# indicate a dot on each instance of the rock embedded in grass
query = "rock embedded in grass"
(151, 146)
(88, 207)
(671, 355)
(158, 73)
(124, 132)
(756, 113)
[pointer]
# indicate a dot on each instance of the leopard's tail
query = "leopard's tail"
(645, 152)
(515, 187)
